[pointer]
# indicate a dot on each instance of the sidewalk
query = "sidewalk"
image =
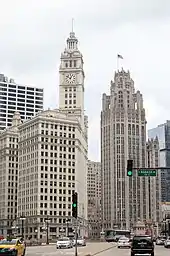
(95, 248)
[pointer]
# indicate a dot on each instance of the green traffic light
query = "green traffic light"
(74, 205)
(129, 173)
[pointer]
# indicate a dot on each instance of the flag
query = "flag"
(119, 56)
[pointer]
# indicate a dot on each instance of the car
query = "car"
(1, 237)
(12, 247)
(167, 243)
(123, 242)
(160, 240)
(142, 244)
(80, 241)
(64, 242)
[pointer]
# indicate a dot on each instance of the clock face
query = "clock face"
(70, 78)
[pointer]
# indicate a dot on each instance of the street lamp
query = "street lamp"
(22, 218)
(67, 222)
(47, 220)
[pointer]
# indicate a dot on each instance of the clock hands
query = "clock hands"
(70, 78)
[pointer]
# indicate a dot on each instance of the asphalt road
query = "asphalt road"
(159, 251)
(51, 250)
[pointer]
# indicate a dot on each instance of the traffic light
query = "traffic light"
(130, 168)
(74, 204)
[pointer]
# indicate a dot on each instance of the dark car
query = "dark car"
(142, 245)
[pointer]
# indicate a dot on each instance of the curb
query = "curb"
(104, 250)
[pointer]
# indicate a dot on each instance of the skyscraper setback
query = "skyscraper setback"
(123, 137)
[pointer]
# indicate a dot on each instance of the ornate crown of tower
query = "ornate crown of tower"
(72, 42)
(72, 47)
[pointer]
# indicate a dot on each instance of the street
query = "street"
(159, 251)
(91, 249)
(51, 250)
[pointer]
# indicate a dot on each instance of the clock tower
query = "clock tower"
(71, 106)
(71, 73)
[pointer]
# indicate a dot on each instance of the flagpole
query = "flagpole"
(118, 57)
(117, 63)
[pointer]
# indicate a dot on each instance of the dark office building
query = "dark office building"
(26, 100)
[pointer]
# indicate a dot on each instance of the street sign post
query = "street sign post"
(146, 172)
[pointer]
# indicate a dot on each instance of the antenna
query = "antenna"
(72, 25)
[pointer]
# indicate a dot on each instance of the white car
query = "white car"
(80, 241)
(64, 242)
(167, 243)
(123, 243)
(160, 241)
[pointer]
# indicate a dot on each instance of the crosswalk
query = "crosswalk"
(59, 253)
(56, 253)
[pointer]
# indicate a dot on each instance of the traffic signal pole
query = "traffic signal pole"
(76, 251)
(75, 215)
(151, 168)
(145, 172)
(141, 170)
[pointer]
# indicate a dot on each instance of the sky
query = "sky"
(33, 34)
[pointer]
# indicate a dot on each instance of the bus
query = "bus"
(113, 235)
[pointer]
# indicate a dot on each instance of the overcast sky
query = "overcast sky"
(33, 34)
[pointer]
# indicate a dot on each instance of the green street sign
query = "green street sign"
(145, 172)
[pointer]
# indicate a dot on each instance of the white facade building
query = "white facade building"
(154, 207)
(52, 164)
(123, 137)
(13, 97)
(94, 198)
(9, 176)
(52, 159)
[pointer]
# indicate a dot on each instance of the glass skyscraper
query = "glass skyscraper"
(163, 134)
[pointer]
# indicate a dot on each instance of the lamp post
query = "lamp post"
(36, 232)
(47, 220)
(67, 222)
(22, 218)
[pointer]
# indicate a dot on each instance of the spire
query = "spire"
(72, 41)
(72, 25)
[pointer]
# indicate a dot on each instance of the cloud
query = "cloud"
(34, 33)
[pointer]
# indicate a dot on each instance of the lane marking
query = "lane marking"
(104, 250)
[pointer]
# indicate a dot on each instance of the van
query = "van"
(142, 244)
